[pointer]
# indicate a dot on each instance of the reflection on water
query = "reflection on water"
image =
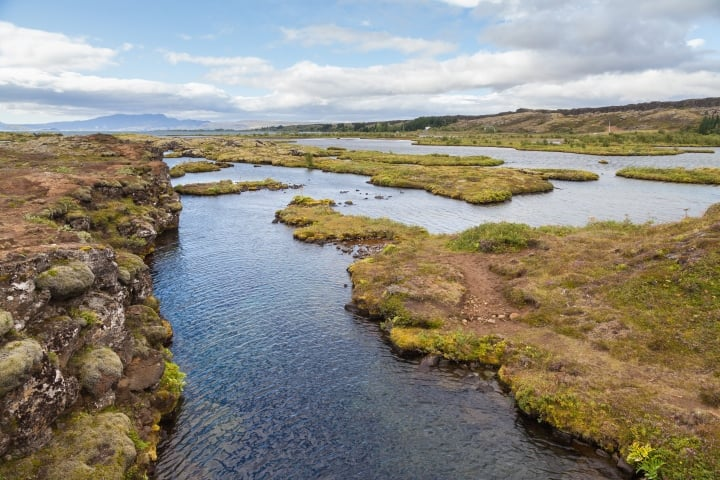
(284, 383)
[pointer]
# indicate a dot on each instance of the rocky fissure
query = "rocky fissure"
(85, 373)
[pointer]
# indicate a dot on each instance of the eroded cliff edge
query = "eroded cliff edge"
(85, 373)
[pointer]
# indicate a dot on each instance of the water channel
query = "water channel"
(284, 383)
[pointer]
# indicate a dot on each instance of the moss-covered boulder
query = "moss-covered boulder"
(89, 447)
(129, 266)
(99, 370)
(6, 322)
(146, 321)
(17, 360)
(66, 281)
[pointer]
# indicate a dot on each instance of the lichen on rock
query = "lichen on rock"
(17, 360)
(89, 447)
(71, 269)
(66, 281)
(99, 369)
(6, 322)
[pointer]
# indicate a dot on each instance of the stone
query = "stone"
(17, 360)
(99, 370)
(143, 373)
(6, 322)
(29, 410)
(66, 281)
(91, 446)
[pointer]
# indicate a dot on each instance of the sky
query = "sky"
(286, 61)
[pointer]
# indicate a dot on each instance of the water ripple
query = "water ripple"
(284, 383)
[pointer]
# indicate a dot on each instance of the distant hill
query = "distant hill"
(114, 123)
(679, 115)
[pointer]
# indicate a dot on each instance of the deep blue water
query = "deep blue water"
(284, 383)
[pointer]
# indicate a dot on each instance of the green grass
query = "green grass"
(705, 176)
(318, 222)
(495, 238)
(224, 187)
(613, 144)
(200, 166)
(472, 179)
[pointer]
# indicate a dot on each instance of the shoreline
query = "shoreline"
(573, 374)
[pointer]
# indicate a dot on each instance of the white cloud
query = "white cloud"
(695, 43)
(365, 41)
(24, 47)
(463, 3)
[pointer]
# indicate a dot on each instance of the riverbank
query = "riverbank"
(606, 332)
(86, 375)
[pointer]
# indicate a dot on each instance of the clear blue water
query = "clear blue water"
(284, 383)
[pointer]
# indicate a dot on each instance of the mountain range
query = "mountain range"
(126, 123)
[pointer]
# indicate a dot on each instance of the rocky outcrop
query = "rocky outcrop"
(79, 328)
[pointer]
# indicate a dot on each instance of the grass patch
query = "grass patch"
(495, 238)
(200, 166)
(318, 222)
(703, 176)
(464, 178)
(458, 345)
(566, 174)
(224, 187)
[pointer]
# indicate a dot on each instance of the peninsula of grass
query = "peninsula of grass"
(608, 332)
(224, 187)
(703, 176)
(199, 166)
(476, 180)
(565, 174)
(318, 222)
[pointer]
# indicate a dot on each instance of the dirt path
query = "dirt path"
(576, 361)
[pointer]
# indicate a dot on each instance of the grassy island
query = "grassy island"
(473, 179)
(224, 187)
(608, 332)
(199, 166)
(704, 176)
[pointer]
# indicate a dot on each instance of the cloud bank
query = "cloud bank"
(543, 54)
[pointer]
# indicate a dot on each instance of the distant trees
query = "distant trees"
(709, 124)
(421, 123)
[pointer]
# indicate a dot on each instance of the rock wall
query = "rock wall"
(85, 375)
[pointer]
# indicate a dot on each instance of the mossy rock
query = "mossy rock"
(129, 265)
(146, 321)
(17, 361)
(137, 315)
(90, 447)
(6, 322)
(66, 281)
(99, 370)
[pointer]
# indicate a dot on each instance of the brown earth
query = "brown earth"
(486, 311)
(41, 169)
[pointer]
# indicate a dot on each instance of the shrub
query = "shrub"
(495, 238)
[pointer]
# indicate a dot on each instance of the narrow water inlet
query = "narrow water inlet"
(284, 383)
